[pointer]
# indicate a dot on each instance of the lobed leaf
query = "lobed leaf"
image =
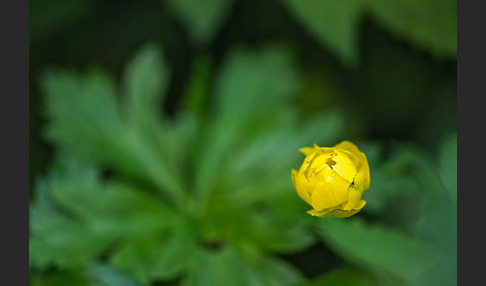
(335, 24)
(427, 24)
(383, 251)
(86, 119)
(228, 267)
(145, 82)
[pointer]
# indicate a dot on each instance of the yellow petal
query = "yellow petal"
(344, 166)
(319, 213)
(294, 178)
(299, 188)
(349, 146)
(360, 205)
(362, 180)
(307, 162)
(330, 191)
(356, 160)
(307, 150)
(339, 213)
(318, 160)
(354, 200)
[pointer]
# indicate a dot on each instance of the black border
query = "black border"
(471, 64)
(14, 23)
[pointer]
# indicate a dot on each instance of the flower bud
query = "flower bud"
(333, 179)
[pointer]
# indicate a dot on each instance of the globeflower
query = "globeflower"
(333, 179)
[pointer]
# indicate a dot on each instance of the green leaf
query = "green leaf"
(113, 209)
(85, 119)
(258, 228)
(448, 166)
(104, 275)
(427, 24)
(408, 182)
(439, 226)
(262, 82)
(146, 81)
(94, 215)
(60, 241)
(277, 272)
(110, 206)
(202, 19)
(197, 94)
(217, 268)
(334, 23)
(82, 109)
(385, 252)
(228, 267)
(96, 274)
(439, 223)
(158, 257)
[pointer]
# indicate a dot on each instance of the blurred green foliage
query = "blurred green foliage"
(163, 133)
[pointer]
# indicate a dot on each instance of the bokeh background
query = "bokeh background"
(162, 134)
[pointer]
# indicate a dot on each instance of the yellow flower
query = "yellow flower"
(332, 179)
